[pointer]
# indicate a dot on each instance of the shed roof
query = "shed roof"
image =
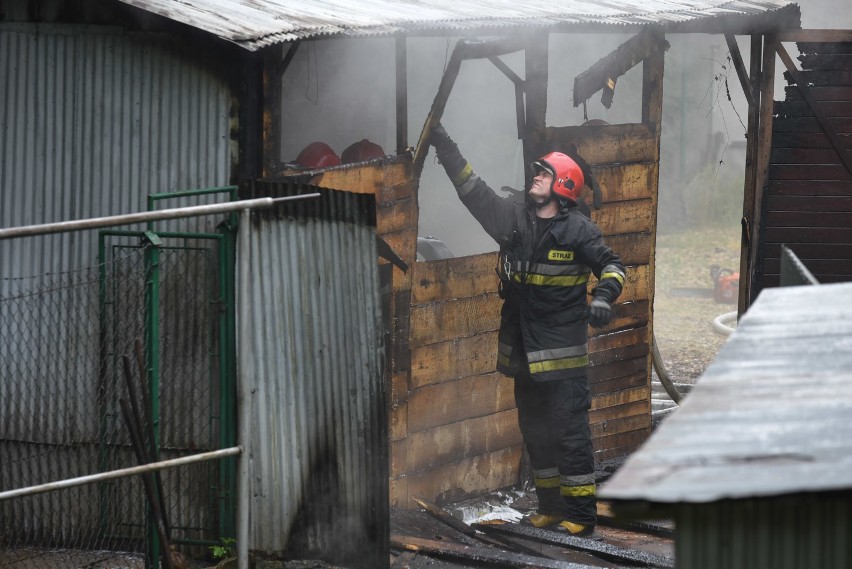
(254, 24)
(769, 417)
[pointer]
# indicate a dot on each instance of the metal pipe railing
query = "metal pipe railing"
(120, 473)
(139, 217)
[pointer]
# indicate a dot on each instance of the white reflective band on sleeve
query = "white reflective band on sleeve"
(612, 271)
(580, 480)
(546, 472)
(559, 353)
(553, 270)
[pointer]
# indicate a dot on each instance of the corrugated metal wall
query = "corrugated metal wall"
(319, 422)
(785, 532)
(92, 120)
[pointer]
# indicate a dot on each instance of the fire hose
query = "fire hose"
(662, 374)
(720, 325)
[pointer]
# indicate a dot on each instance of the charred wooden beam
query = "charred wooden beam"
(491, 48)
(535, 63)
(272, 107)
(827, 36)
(749, 187)
(443, 517)
(438, 105)
(463, 50)
(739, 66)
(764, 150)
(603, 74)
(594, 547)
(404, 560)
(824, 121)
(653, 67)
(520, 87)
(506, 70)
(285, 62)
(485, 555)
(640, 527)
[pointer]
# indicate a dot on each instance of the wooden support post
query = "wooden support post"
(273, 71)
(652, 80)
(535, 62)
(252, 118)
(401, 95)
(764, 148)
(749, 184)
(282, 66)
(739, 66)
(520, 87)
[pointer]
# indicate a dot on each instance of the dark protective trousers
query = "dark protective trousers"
(554, 421)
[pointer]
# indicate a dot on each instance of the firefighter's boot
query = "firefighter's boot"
(578, 530)
(544, 520)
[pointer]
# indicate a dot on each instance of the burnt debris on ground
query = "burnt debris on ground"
(490, 531)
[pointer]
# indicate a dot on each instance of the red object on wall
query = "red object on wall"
(318, 155)
(361, 151)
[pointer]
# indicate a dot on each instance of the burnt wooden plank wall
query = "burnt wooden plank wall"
(808, 199)
(625, 161)
(455, 430)
(453, 422)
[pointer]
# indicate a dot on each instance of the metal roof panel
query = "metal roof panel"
(254, 24)
(769, 417)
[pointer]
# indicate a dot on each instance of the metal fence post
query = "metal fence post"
(152, 357)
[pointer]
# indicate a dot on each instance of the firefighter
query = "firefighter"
(548, 249)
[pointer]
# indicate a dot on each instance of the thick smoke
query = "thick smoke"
(342, 91)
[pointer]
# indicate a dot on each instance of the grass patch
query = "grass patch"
(683, 324)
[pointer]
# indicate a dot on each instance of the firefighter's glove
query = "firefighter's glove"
(448, 153)
(600, 313)
(439, 138)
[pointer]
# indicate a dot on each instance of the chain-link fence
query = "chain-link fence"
(164, 306)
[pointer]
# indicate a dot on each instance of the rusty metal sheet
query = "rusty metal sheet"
(769, 417)
(254, 24)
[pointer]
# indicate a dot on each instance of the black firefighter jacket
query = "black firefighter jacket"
(544, 318)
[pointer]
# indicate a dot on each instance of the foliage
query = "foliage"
(224, 549)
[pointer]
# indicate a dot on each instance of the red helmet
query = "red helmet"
(318, 155)
(361, 151)
(568, 179)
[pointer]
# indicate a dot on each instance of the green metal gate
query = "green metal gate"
(167, 299)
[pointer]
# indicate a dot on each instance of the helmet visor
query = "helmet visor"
(540, 165)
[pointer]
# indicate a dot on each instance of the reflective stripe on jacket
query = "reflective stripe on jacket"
(544, 319)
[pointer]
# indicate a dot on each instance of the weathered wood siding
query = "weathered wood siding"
(808, 199)
(462, 435)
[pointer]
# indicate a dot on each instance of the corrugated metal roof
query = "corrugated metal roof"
(254, 24)
(769, 417)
